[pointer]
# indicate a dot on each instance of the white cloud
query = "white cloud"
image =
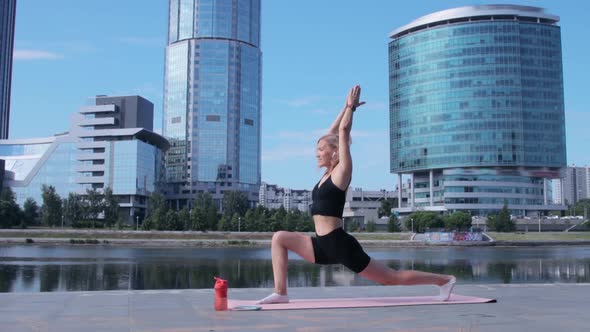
(144, 41)
(20, 54)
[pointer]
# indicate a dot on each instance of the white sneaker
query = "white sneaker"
(274, 298)
(446, 289)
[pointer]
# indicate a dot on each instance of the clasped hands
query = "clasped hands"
(352, 100)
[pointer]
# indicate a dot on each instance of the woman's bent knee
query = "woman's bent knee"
(280, 237)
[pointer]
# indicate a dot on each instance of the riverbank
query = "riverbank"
(262, 239)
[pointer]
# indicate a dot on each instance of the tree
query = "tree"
(111, 208)
(94, 204)
(224, 223)
(423, 221)
(172, 222)
(235, 202)
(206, 207)
(73, 209)
(30, 212)
(501, 222)
(392, 224)
(581, 208)
(184, 219)
(51, 210)
(156, 212)
(10, 212)
(386, 206)
(197, 219)
(457, 221)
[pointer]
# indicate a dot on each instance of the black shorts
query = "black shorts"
(339, 247)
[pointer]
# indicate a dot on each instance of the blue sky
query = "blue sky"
(67, 51)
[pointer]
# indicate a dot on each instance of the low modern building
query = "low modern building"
(273, 197)
(109, 144)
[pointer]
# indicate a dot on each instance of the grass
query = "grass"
(233, 237)
(544, 236)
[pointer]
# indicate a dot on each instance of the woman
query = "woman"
(332, 245)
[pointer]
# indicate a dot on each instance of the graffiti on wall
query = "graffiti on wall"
(453, 236)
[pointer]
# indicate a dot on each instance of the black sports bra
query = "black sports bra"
(327, 199)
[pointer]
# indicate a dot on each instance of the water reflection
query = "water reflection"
(70, 268)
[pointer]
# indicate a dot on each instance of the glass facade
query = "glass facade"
(48, 163)
(477, 94)
(7, 17)
(483, 90)
(213, 94)
(134, 168)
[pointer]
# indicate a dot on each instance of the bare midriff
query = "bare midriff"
(326, 224)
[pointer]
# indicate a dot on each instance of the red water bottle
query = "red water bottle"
(220, 294)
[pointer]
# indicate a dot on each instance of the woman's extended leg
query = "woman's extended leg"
(384, 275)
(282, 242)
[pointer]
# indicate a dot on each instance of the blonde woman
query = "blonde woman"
(333, 245)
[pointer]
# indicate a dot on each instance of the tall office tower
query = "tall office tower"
(7, 16)
(476, 109)
(212, 98)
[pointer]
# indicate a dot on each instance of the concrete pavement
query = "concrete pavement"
(520, 307)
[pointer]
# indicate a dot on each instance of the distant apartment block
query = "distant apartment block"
(362, 206)
(575, 184)
(7, 18)
(109, 144)
(273, 197)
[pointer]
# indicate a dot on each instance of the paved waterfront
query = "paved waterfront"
(529, 307)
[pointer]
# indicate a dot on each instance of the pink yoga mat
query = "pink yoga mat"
(362, 302)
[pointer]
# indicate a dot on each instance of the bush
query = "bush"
(393, 224)
(459, 221)
(371, 226)
(423, 221)
(501, 222)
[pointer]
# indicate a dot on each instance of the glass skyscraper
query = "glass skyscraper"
(7, 17)
(212, 98)
(477, 109)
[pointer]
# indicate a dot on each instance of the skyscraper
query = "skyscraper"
(477, 110)
(7, 17)
(212, 98)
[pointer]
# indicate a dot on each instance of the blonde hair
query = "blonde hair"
(331, 139)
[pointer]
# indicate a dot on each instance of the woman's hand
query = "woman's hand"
(352, 100)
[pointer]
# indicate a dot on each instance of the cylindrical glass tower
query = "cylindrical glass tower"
(476, 109)
(212, 97)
